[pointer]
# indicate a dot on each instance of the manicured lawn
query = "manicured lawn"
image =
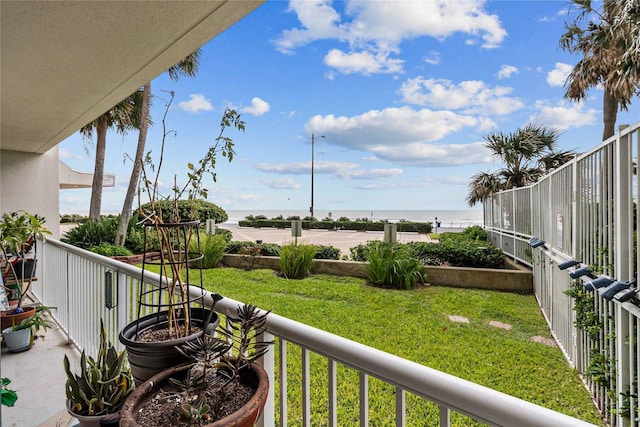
(414, 325)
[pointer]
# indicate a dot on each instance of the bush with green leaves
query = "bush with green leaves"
(90, 233)
(189, 210)
(212, 248)
(458, 252)
(227, 235)
(327, 252)
(72, 218)
(266, 249)
(461, 253)
(296, 260)
(475, 232)
(109, 249)
(393, 266)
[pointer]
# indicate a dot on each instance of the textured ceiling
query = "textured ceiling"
(65, 63)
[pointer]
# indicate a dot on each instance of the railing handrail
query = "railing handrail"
(468, 398)
(462, 396)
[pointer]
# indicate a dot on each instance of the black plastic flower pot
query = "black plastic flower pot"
(150, 358)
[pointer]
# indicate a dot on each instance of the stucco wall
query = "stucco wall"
(30, 182)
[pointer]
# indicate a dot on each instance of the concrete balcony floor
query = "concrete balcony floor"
(38, 376)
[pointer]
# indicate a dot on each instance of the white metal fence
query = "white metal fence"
(584, 211)
(74, 280)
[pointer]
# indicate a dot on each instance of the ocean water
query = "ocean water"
(447, 218)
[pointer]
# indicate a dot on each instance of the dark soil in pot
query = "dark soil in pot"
(239, 404)
(152, 357)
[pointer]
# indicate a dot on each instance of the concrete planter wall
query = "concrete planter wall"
(512, 278)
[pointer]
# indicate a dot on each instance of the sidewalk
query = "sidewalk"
(343, 240)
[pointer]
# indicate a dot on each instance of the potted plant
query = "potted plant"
(8, 396)
(166, 316)
(18, 233)
(221, 386)
(101, 386)
(19, 337)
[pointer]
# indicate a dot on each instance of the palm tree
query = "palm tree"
(608, 42)
(188, 66)
(528, 154)
(124, 116)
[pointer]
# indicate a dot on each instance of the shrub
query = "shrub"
(72, 218)
(327, 252)
(225, 233)
(459, 253)
(266, 249)
(235, 247)
(189, 210)
(392, 266)
(212, 247)
(475, 232)
(269, 249)
(92, 233)
(108, 249)
(455, 251)
(296, 260)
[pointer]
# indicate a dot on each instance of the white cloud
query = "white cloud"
(402, 136)
(564, 115)
(281, 183)
(258, 107)
(374, 30)
(371, 173)
(507, 71)
(433, 58)
(362, 62)
(470, 96)
(197, 102)
(419, 154)
(338, 169)
(304, 168)
(391, 126)
(559, 74)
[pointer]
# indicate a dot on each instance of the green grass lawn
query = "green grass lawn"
(414, 325)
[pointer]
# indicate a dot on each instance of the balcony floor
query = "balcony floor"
(38, 377)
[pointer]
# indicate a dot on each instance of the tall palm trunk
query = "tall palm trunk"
(609, 114)
(125, 215)
(98, 171)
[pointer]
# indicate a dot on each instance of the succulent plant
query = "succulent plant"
(103, 384)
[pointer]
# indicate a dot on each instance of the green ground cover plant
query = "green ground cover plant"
(296, 260)
(393, 267)
(414, 325)
(212, 248)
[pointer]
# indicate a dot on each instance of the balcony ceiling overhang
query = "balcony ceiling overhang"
(65, 63)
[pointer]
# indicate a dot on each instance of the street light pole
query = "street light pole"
(312, 169)
(312, 162)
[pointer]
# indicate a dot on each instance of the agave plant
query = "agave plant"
(103, 384)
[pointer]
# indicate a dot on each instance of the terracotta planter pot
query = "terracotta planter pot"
(244, 417)
(150, 358)
(7, 319)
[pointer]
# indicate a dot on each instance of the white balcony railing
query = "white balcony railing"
(587, 211)
(74, 281)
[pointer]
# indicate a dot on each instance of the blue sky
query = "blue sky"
(402, 92)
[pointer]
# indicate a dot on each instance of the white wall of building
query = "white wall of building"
(30, 182)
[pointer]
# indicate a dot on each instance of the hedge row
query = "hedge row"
(358, 225)
(461, 253)
(273, 249)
